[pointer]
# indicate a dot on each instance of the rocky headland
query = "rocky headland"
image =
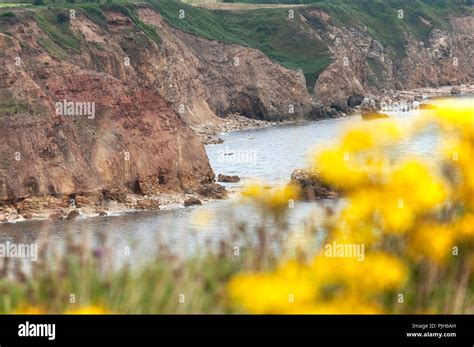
(108, 110)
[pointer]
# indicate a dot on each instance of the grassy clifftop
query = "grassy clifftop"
(390, 21)
(284, 40)
(288, 41)
(380, 17)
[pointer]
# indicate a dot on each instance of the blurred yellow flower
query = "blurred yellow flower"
(377, 272)
(275, 200)
(403, 212)
(91, 309)
(29, 310)
(339, 168)
(465, 227)
(298, 288)
(416, 186)
(432, 241)
(456, 113)
(368, 135)
(276, 292)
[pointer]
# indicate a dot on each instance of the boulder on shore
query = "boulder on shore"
(148, 204)
(370, 109)
(455, 91)
(73, 214)
(228, 179)
(55, 216)
(373, 115)
(192, 201)
(212, 191)
(311, 185)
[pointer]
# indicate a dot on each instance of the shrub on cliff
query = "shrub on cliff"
(62, 17)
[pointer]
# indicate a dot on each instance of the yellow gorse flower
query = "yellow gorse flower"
(299, 288)
(274, 200)
(456, 114)
(29, 310)
(432, 242)
(275, 292)
(406, 213)
(91, 309)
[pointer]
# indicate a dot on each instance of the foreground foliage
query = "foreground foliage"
(415, 219)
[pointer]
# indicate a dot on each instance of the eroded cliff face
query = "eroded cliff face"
(205, 79)
(146, 93)
(362, 66)
(134, 141)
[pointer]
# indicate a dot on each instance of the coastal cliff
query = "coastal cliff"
(133, 141)
(141, 80)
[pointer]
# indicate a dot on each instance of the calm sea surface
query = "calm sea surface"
(269, 154)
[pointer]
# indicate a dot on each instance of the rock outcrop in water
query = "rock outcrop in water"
(370, 109)
(311, 186)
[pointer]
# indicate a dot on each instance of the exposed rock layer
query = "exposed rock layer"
(362, 66)
(135, 141)
(205, 79)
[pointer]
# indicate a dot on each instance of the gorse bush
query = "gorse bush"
(414, 221)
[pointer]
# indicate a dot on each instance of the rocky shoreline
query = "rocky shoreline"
(104, 204)
(111, 203)
(406, 100)
(209, 132)
(387, 100)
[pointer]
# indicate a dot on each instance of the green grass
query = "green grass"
(58, 32)
(60, 41)
(95, 14)
(381, 17)
(376, 68)
(9, 106)
(288, 42)
(13, 4)
(153, 287)
(285, 41)
(6, 20)
(51, 48)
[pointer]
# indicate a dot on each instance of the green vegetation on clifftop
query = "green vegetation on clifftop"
(291, 42)
(284, 40)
